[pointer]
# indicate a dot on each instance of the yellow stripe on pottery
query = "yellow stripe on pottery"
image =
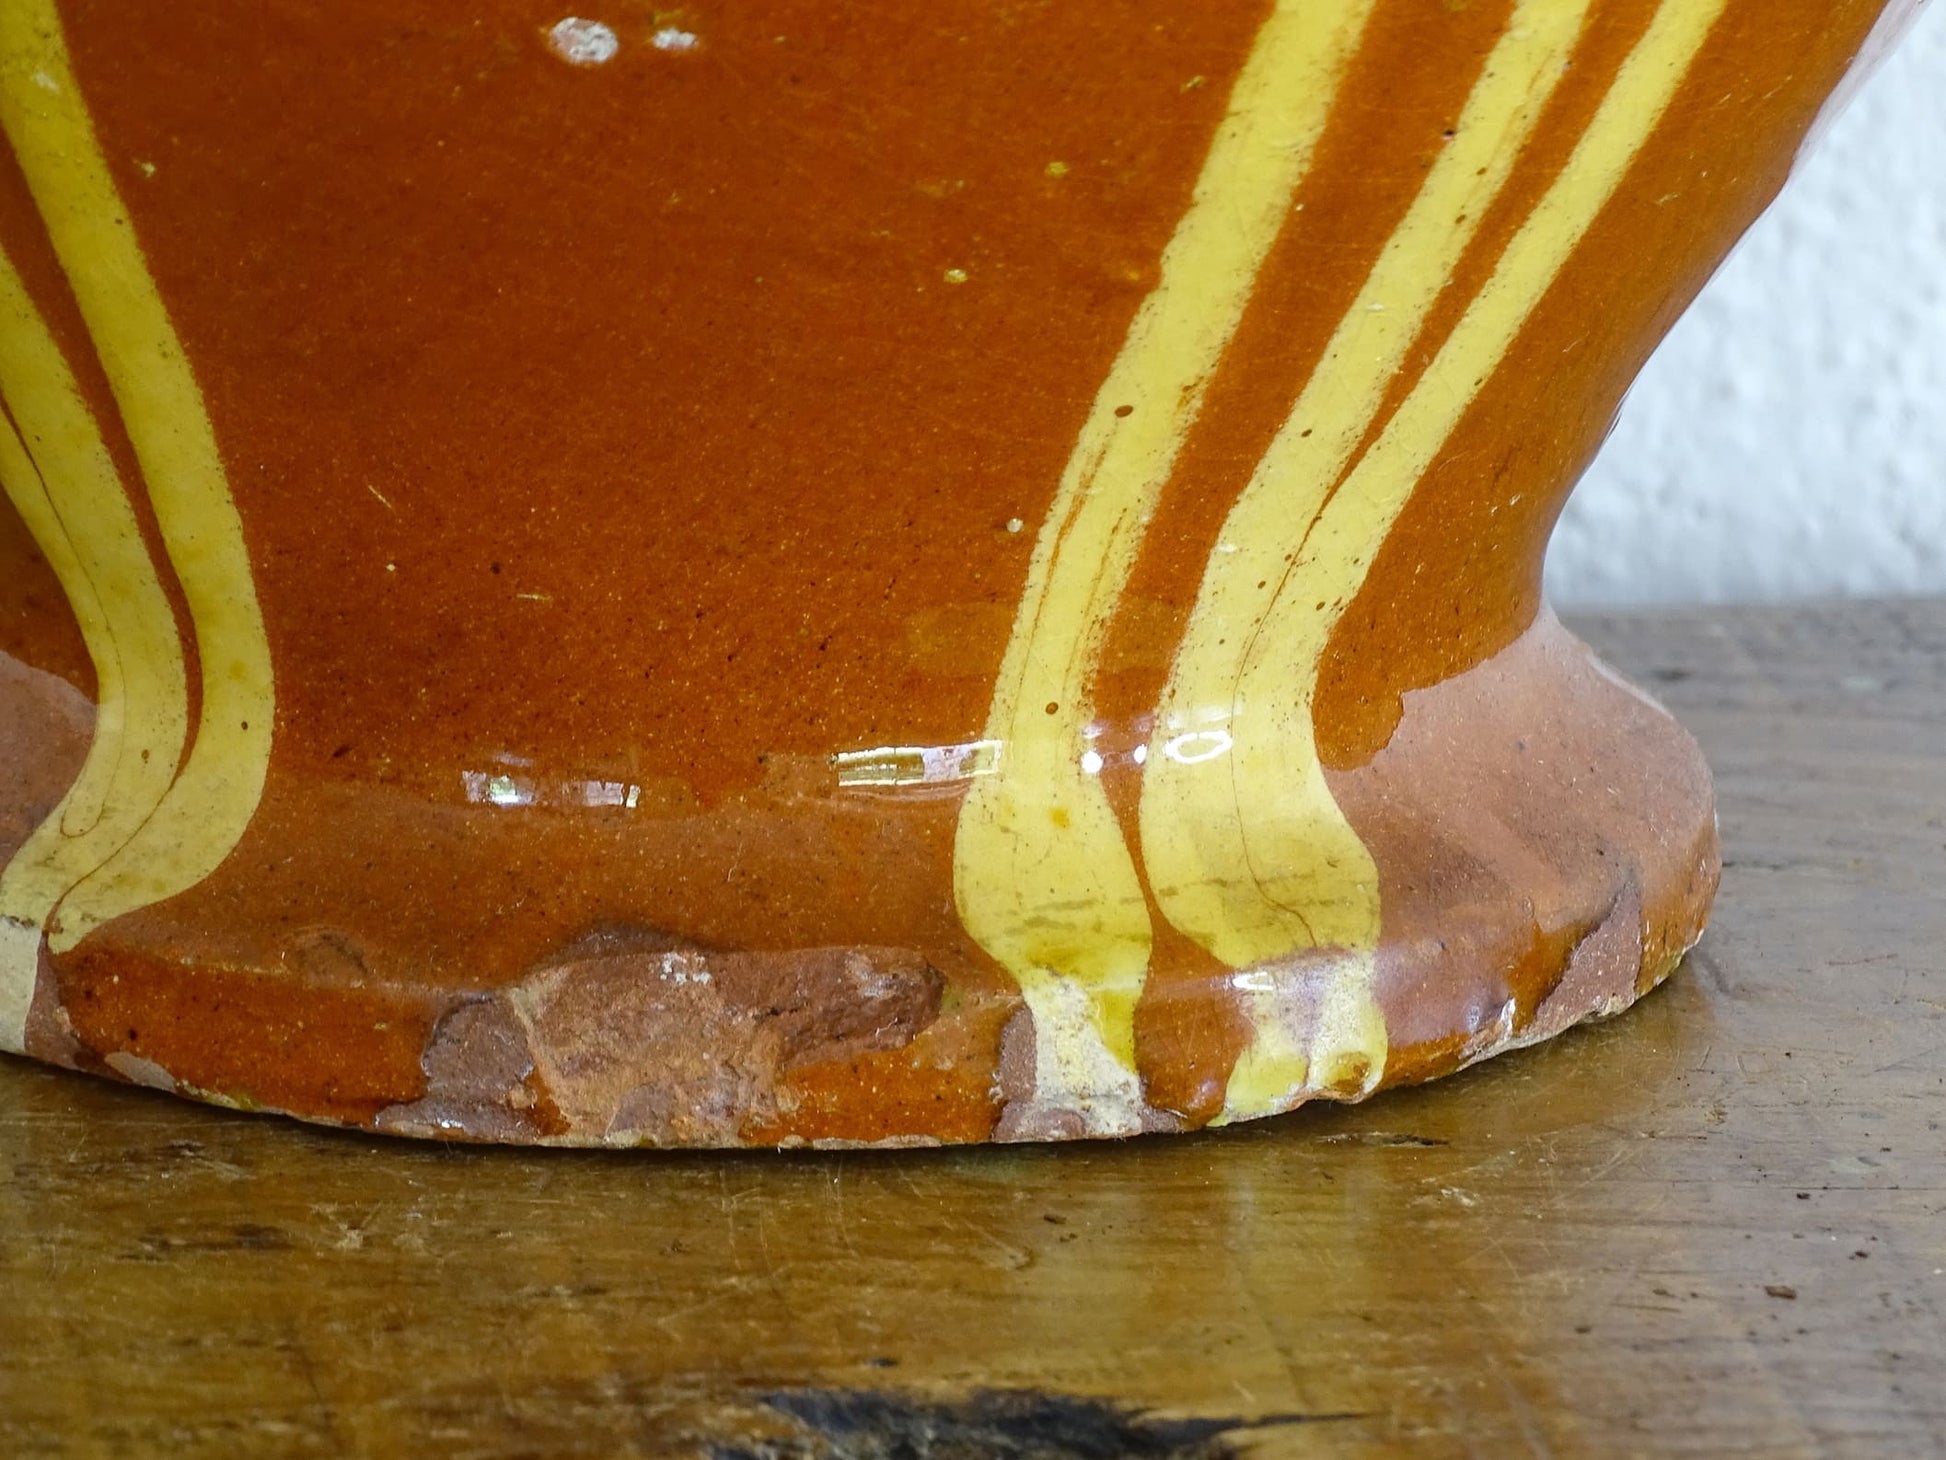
(57, 472)
(1259, 860)
(204, 812)
(1210, 737)
(1042, 877)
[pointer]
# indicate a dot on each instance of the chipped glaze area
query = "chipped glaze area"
(994, 597)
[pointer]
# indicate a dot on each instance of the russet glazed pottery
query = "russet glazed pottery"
(839, 572)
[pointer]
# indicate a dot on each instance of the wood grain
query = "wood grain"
(1715, 1226)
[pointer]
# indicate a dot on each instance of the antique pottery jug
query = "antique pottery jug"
(839, 572)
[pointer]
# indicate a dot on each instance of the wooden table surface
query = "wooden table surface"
(1715, 1226)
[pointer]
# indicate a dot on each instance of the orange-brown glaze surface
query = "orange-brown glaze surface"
(1460, 574)
(620, 447)
(1496, 875)
(308, 1035)
(692, 335)
(36, 627)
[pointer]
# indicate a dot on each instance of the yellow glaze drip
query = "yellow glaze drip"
(203, 812)
(57, 472)
(1258, 883)
(1043, 878)
(1249, 852)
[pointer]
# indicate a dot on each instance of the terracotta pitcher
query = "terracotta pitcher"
(839, 572)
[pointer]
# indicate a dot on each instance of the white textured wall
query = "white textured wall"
(1789, 439)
